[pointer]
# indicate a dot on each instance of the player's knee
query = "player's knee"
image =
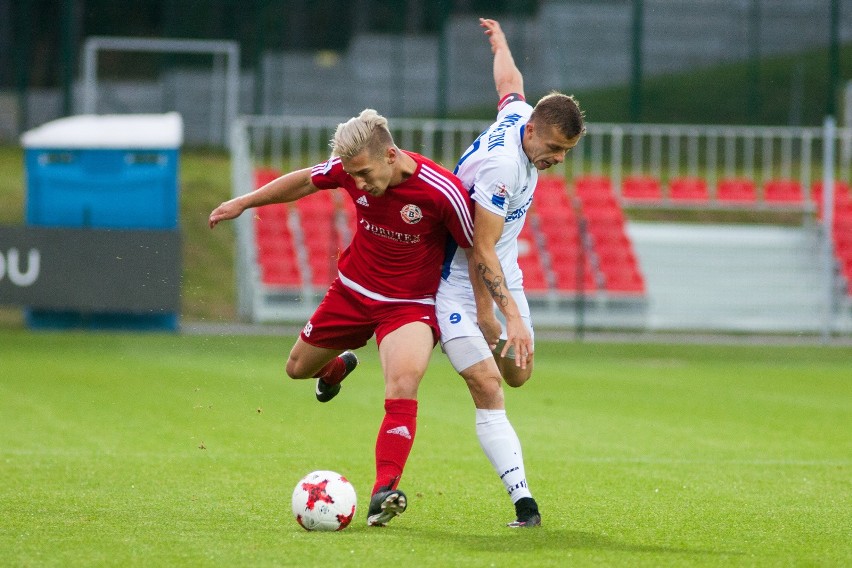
(403, 385)
(485, 389)
(294, 369)
(518, 379)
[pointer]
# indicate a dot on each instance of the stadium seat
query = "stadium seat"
(609, 229)
(688, 190)
(574, 274)
(614, 247)
(842, 196)
(782, 191)
(530, 261)
(593, 189)
(842, 234)
(262, 176)
(535, 279)
(626, 281)
(641, 188)
(603, 213)
(736, 190)
(275, 214)
(278, 272)
(550, 189)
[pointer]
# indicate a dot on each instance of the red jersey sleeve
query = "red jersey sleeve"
(453, 201)
(329, 174)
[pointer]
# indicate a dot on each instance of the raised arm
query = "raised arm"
(288, 187)
(507, 76)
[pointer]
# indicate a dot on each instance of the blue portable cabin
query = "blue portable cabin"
(103, 172)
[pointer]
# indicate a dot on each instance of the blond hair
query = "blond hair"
(367, 131)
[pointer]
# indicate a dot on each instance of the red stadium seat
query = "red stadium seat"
(688, 189)
(782, 191)
(641, 188)
(842, 197)
(263, 176)
(624, 281)
(592, 184)
(530, 262)
(603, 213)
(574, 278)
(280, 272)
(736, 190)
(593, 189)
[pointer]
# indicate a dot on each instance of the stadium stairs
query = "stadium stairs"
(584, 262)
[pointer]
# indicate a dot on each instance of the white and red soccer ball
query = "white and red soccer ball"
(324, 501)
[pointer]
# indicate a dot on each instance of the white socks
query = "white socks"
(501, 445)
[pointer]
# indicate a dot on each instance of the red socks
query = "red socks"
(332, 372)
(393, 444)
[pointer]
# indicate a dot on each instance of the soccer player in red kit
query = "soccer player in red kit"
(407, 208)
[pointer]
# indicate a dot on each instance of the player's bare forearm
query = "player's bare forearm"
(493, 282)
(518, 336)
(487, 271)
(286, 188)
(507, 76)
(485, 318)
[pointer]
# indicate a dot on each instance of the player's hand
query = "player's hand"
(490, 327)
(518, 336)
(495, 33)
(227, 210)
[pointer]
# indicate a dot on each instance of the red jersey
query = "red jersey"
(399, 245)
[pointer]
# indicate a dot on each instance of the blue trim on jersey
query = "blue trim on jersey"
(499, 201)
(449, 252)
(473, 148)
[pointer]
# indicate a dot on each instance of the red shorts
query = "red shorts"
(347, 320)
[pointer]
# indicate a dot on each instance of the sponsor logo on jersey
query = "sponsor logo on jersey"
(498, 198)
(519, 212)
(389, 234)
(363, 201)
(411, 214)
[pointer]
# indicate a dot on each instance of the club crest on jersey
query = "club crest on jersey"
(411, 214)
(498, 198)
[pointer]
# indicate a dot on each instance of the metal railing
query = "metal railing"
(617, 151)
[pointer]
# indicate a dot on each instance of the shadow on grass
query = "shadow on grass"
(529, 540)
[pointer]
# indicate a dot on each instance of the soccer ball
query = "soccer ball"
(324, 501)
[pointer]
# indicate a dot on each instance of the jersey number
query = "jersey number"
(473, 148)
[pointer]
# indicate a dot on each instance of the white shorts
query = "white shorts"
(455, 308)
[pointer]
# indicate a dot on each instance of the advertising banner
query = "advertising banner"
(129, 271)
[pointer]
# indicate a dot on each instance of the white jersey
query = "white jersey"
(500, 178)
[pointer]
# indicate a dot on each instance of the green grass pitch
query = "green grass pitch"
(168, 450)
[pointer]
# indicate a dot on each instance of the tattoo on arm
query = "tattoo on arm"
(494, 283)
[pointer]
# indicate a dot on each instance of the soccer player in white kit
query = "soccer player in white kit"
(500, 170)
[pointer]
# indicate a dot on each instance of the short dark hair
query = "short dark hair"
(561, 111)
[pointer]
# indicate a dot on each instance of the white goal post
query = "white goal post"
(229, 49)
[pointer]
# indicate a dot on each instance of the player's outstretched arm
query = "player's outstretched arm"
(288, 187)
(507, 76)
